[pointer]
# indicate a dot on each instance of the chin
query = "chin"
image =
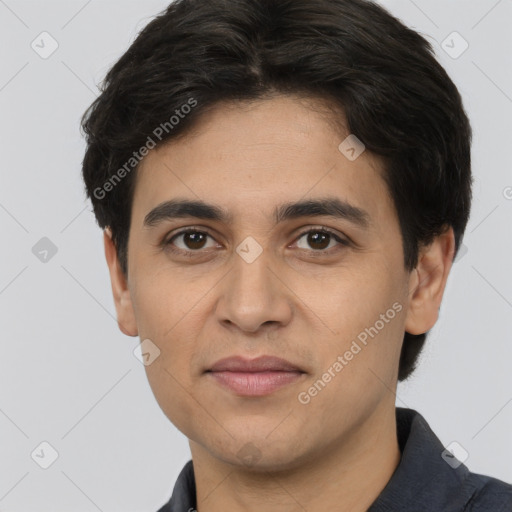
(260, 454)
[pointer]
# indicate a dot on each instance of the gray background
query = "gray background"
(69, 376)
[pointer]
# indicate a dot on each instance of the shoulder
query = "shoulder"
(490, 494)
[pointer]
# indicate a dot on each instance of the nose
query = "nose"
(252, 296)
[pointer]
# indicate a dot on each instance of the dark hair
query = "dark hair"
(396, 98)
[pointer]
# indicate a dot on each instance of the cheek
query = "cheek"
(351, 298)
(167, 311)
(169, 375)
(364, 312)
(165, 303)
(358, 364)
(171, 393)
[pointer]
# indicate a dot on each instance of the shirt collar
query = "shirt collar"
(423, 481)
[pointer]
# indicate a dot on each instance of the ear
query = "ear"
(427, 283)
(120, 291)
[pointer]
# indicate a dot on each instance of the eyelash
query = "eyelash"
(167, 243)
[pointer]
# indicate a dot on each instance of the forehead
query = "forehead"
(256, 155)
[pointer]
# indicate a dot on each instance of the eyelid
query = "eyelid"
(189, 229)
(342, 240)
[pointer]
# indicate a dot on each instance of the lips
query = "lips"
(260, 364)
(254, 377)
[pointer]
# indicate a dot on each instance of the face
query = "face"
(324, 288)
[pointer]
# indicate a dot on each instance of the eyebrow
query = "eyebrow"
(329, 207)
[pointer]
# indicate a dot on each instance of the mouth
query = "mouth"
(254, 377)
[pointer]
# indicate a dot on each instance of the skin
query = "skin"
(339, 450)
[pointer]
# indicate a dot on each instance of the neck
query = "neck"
(347, 477)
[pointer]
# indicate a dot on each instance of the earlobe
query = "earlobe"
(120, 290)
(428, 281)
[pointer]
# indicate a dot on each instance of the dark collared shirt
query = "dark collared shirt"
(427, 479)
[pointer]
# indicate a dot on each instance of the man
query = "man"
(283, 187)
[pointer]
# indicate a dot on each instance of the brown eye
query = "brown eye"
(189, 240)
(320, 240)
(194, 240)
